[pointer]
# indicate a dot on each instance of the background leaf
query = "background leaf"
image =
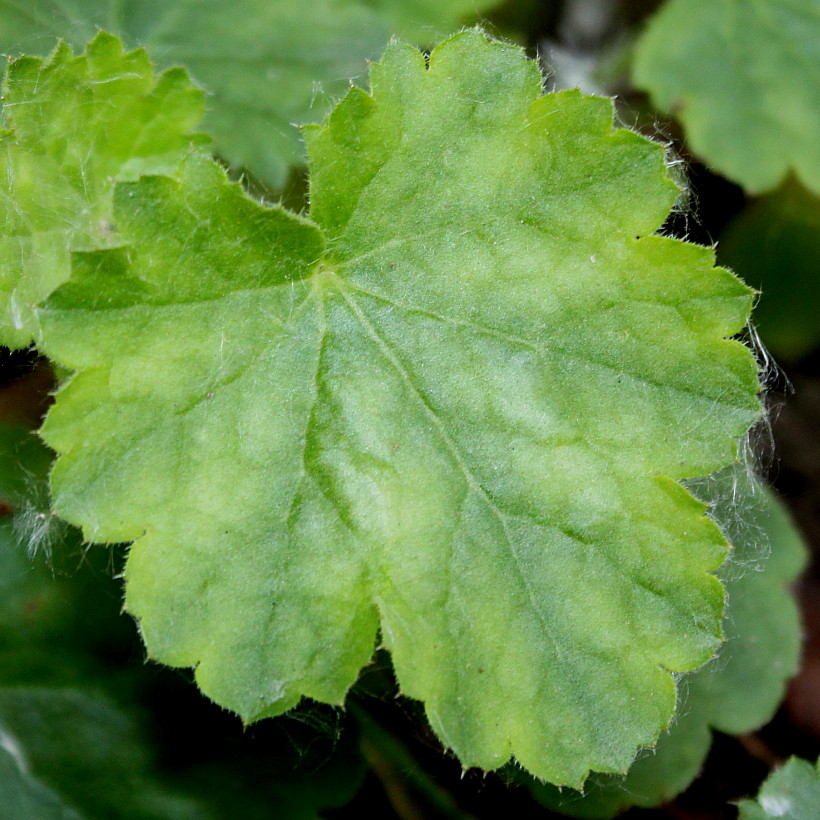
(266, 64)
(85, 724)
(462, 420)
(23, 798)
(791, 793)
(76, 753)
(741, 76)
(774, 244)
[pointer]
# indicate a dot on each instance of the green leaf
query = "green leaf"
(738, 691)
(266, 64)
(741, 75)
(791, 793)
(49, 628)
(426, 21)
(74, 126)
(91, 753)
(78, 736)
(22, 796)
(454, 406)
(774, 245)
(69, 751)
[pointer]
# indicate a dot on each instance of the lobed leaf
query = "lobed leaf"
(266, 64)
(741, 75)
(453, 406)
(80, 731)
(791, 793)
(739, 690)
(73, 127)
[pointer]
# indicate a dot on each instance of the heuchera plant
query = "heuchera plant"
(448, 411)
(454, 410)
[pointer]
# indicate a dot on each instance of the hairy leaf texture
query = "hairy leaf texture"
(742, 76)
(266, 64)
(738, 691)
(452, 405)
(73, 126)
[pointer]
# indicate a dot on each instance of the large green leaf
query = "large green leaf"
(791, 793)
(740, 690)
(267, 64)
(76, 125)
(742, 75)
(454, 406)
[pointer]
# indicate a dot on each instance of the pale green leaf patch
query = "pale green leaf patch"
(742, 76)
(74, 125)
(452, 405)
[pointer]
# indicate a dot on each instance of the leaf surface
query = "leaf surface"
(73, 126)
(266, 64)
(738, 691)
(742, 77)
(791, 793)
(83, 721)
(453, 406)
(66, 750)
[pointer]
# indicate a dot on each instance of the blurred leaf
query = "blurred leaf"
(743, 78)
(54, 620)
(22, 796)
(423, 22)
(91, 753)
(774, 245)
(70, 739)
(24, 464)
(791, 793)
(739, 690)
(266, 64)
